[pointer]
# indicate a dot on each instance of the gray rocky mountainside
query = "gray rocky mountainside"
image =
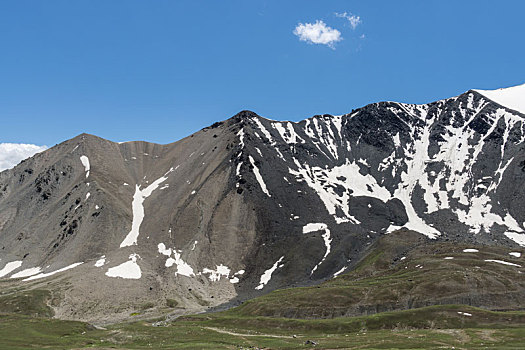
(249, 205)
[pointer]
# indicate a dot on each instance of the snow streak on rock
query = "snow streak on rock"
(27, 272)
(326, 238)
(503, 262)
(259, 177)
(267, 275)
(415, 174)
(10, 267)
(325, 182)
(339, 272)
(516, 237)
(43, 275)
(138, 209)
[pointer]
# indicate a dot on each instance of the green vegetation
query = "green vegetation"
(439, 326)
(402, 270)
(171, 303)
(147, 305)
(31, 302)
(286, 319)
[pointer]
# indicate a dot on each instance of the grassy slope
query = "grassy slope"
(386, 331)
(380, 280)
(383, 282)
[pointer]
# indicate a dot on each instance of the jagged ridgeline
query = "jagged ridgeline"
(249, 205)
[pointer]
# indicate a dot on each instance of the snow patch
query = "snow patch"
(163, 250)
(100, 262)
(312, 227)
(515, 254)
(27, 272)
(85, 163)
(10, 267)
(470, 250)
(43, 275)
(215, 275)
(464, 313)
(183, 268)
(128, 270)
(502, 262)
(267, 275)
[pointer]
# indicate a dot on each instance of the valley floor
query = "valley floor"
(412, 329)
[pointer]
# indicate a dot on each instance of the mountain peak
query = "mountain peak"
(511, 97)
(245, 114)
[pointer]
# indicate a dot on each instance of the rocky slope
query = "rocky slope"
(249, 205)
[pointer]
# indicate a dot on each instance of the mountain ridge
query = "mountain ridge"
(248, 205)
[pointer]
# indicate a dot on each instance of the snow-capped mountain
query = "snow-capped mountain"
(249, 204)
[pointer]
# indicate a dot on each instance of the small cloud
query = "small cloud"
(352, 19)
(12, 153)
(362, 36)
(318, 33)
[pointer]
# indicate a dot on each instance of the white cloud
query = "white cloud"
(12, 153)
(318, 33)
(352, 19)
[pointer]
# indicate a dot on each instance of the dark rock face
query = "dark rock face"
(249, 205)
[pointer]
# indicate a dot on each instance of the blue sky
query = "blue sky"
(160, 70)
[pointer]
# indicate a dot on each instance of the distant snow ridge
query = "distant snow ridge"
(512, 97)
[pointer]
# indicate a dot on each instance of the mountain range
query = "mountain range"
(249, 205)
